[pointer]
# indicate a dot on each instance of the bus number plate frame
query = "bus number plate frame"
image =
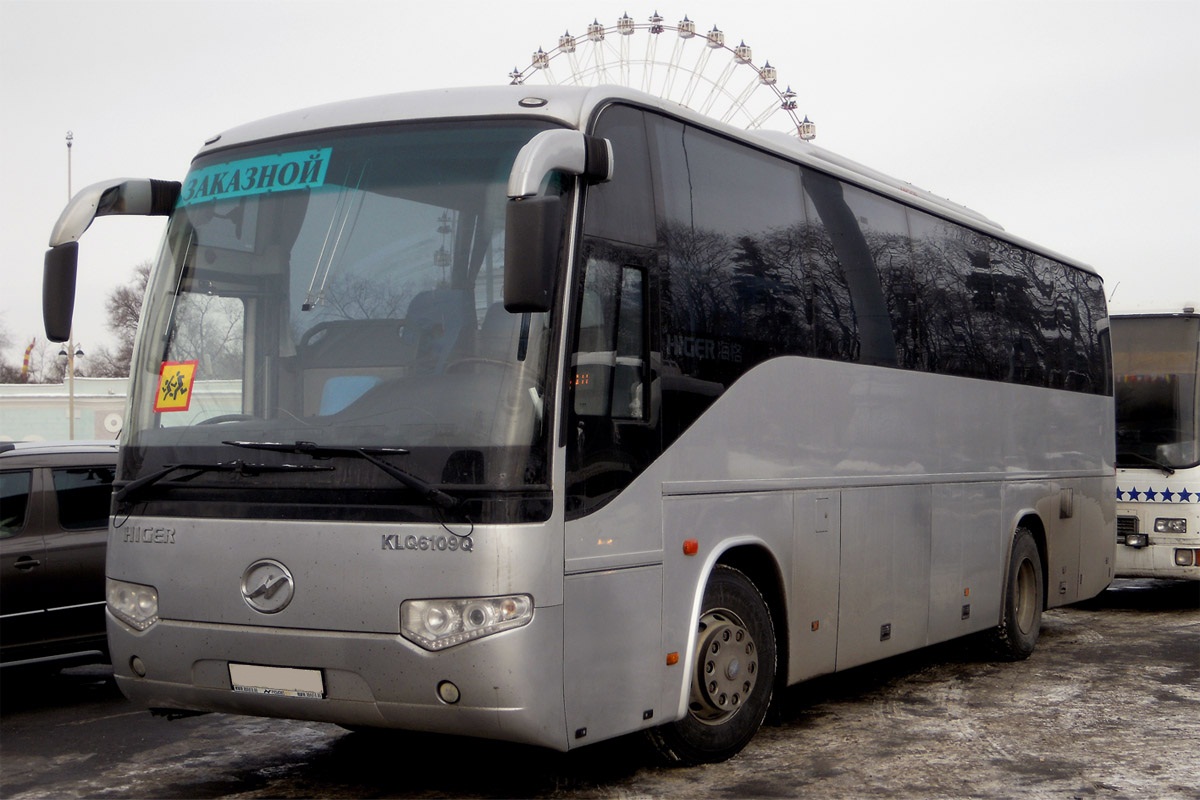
(277, 681)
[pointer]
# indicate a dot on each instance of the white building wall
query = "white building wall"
(40, 411)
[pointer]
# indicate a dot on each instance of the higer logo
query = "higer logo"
(268, 586)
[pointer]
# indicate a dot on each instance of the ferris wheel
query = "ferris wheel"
(696, 70)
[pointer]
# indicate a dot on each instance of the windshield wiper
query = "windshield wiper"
(426, 490)
(1167, 469)
(240, 467)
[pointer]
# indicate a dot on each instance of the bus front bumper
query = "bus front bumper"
(1150, 557)
(353, 679)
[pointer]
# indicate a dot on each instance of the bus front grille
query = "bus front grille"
(1125, 526)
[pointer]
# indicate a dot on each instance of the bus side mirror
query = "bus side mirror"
(58, 290)
(533, 222)
(139, 196)
(532, 234)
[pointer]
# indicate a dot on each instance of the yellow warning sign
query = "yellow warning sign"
(175, 385)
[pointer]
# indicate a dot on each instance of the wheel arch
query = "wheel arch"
(759, 564)
(1031, 522)
(749, 563)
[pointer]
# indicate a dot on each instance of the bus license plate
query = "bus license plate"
(279, 681)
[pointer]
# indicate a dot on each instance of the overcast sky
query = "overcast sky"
(1072, 123)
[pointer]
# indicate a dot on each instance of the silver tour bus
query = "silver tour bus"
(554, 417)
(1156, 361)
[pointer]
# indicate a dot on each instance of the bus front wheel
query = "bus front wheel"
(1014, 638)
(734, 674)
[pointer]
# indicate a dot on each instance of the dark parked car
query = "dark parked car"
(54, 508)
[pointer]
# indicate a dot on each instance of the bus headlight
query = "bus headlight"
(438, 624)
(1170, 525)
(132, 603)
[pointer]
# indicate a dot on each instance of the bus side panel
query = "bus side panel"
(1074, 568)
(813, 604)
(624, 533)
(1064, 545)
(967, 555)
(884, 601)
(717, 523)
(613, 663)
(1021, 499)
(1095, 506)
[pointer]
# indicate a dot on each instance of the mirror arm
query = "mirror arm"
(533, 223)
(566, 151)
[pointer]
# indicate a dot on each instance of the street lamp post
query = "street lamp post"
(69, 353)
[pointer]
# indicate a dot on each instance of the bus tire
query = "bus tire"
(1021, 622)
(734, 674)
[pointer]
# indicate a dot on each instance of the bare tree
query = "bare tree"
(124, 307)
(35, 362)
(9, 373)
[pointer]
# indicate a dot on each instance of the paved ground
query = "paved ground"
(1105, 708)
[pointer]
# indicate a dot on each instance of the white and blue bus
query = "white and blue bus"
(569, 413)
(1156, 360)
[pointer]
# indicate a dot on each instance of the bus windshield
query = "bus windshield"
(1158, 408)
(342, 290)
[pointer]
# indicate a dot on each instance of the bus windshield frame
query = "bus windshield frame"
(1157, 391)
(339, 293)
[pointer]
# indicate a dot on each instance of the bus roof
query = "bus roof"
(1177, 309)
(573, 107)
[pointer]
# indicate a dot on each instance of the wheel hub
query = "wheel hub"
(726, 667)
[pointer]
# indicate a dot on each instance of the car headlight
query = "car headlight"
(1170, 525)
(132, 603)
(441, 623)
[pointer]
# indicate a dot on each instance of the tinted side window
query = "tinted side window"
(1097, 345)
(1032, 320)
(1023, 295)
(14, 501)
(945, 307)
(1078, 354)
(733, 289)
(83, 496)
(622, 209)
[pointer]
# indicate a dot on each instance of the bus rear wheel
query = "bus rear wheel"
(1021, 624)
(733, 674)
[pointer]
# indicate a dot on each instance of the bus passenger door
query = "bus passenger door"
(612, 419)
